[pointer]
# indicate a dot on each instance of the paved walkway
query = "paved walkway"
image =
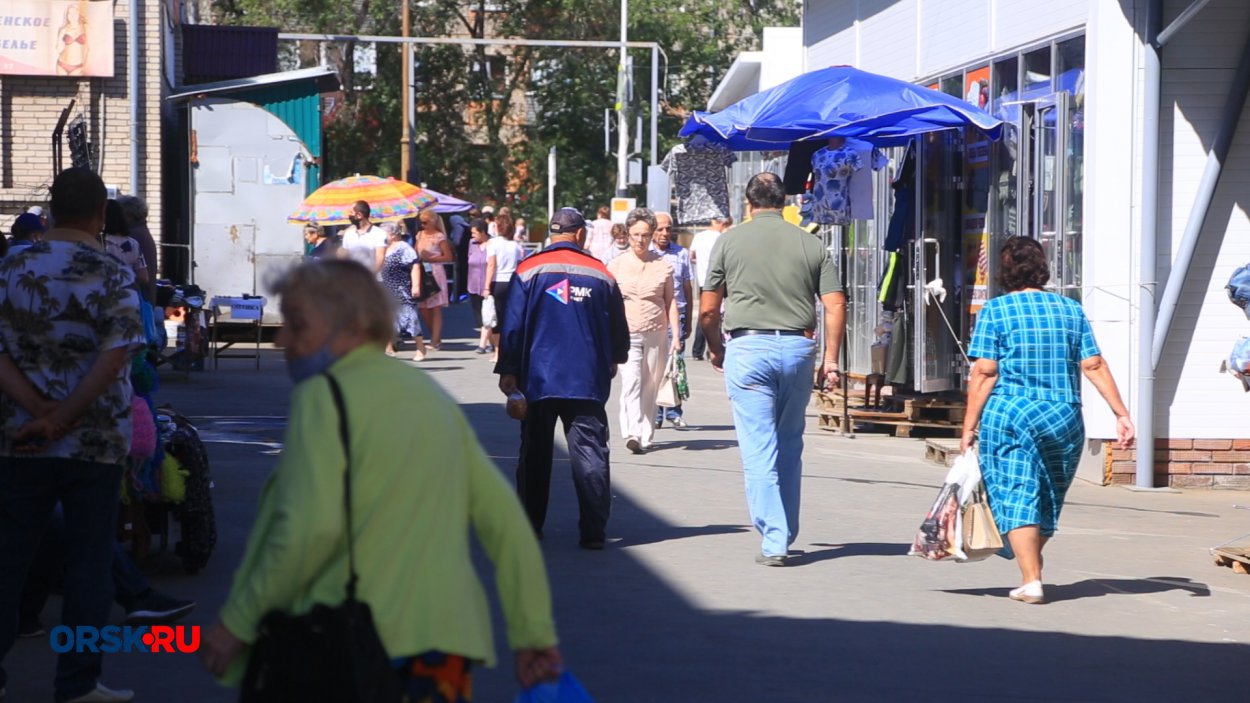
(676, 610)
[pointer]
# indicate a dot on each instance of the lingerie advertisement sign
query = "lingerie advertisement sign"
(71, 38)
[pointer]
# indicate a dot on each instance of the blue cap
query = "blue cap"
(1239, 362)
(27, 223)
(1239, 289)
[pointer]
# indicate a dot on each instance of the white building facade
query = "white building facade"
(1071, 79)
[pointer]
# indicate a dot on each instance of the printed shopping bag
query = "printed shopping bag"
(942, 534)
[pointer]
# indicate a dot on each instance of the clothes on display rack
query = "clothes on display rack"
(698, 171)
(842, 182)
(902, 219)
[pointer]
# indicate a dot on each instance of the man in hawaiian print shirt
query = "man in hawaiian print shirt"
(69, 324)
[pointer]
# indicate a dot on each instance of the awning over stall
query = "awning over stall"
(839, 101)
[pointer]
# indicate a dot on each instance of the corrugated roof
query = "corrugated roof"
(327, 80)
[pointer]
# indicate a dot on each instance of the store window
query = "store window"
(1037, 70)
(953, 85)
(1005, 82)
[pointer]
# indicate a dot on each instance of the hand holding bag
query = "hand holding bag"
(331, 653)
(490, 316)
(668, 396)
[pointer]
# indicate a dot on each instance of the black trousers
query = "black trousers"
(586, 428)
(699, 348)
(462, 268)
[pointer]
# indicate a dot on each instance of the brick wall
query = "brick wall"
(1188, 463)
(31, 105)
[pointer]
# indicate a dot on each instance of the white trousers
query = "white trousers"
(640, 382)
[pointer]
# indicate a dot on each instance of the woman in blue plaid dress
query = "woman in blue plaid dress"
(1025, 392)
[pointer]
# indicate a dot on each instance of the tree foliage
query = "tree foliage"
(469, 140)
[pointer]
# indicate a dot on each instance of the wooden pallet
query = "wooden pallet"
(1236, 557)
(931, 413)
(897, 428)
(941, 451)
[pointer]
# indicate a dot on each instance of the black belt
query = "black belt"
(771, 333)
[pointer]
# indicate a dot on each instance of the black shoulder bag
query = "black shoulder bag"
(331, 653)
(429, 284)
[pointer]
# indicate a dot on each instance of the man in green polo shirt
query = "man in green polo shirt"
(769, 274)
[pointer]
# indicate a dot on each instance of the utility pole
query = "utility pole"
(406, 134)
(622, 118)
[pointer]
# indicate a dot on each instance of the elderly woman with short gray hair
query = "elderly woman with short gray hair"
(646, 282)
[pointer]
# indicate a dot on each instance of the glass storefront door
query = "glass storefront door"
(936, 258)
(1039, 171)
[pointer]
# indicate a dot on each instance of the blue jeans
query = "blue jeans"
(770, 380)
(29, 488)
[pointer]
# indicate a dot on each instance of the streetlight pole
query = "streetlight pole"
(622, 118)
(405, 138)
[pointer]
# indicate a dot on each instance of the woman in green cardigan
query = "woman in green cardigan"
(411, 515)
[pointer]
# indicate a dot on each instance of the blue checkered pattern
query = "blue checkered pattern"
(1038, 340)
(1031, 429)
(1029, 452)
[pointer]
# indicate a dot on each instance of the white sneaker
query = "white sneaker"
(1030, 593)
(103, 694)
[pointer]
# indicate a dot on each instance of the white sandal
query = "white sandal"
(1030, 593)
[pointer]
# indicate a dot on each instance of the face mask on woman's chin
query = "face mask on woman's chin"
(305, 367)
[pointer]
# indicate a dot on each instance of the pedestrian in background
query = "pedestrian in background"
(683, 274)
(767, 272)
(418, 491)
(599, 235)
(27, 230)
(502, 256)
(522, 231)
(321, 246)
(488, 214)
(65, 397)
(434, 249)
(564, 333)
(136, 211)
(620, 242)
(646, 282)
(362, 241)
(401, 275)
(700, 255)
(1024, 390)
(458, 233)
(119, 243)
(478, 286)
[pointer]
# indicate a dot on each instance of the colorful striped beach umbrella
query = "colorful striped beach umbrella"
(389, 200)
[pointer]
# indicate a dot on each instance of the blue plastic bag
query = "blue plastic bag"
(567, 690)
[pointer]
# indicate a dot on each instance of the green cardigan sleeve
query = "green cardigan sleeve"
(297, 531)
(505, 533)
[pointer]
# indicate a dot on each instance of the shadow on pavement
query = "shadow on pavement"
(1096, 588)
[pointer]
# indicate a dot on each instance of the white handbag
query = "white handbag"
(667, 395)
(490, 317)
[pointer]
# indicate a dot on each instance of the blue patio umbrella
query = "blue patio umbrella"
(838, 101)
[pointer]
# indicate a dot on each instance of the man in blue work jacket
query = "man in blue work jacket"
(562, 336)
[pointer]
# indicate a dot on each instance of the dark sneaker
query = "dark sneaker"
(156, 608)
(633, 445)
(592, 544)
(770, 560)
